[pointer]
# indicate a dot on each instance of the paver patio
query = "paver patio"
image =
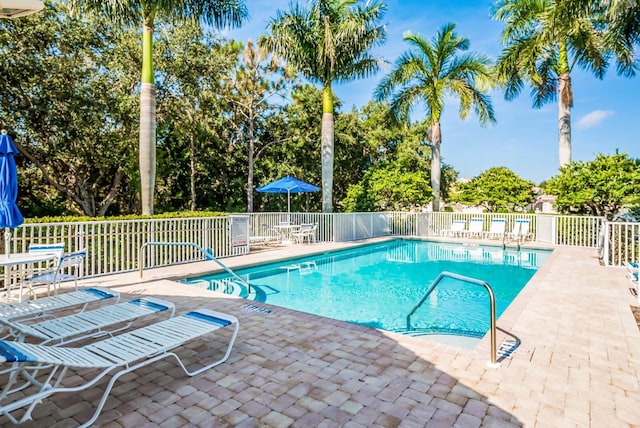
(577, 365)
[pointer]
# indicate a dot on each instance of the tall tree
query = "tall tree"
(67, 103)
(329, 42)
(427, 73)
(254, 88)
(193, 67)
(218, 13)
(544, 40)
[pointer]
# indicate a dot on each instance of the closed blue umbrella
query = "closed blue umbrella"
(288, 185)
(10, 215)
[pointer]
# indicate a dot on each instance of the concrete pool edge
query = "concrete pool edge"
(461, 341)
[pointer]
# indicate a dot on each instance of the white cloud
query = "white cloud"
(593, 119)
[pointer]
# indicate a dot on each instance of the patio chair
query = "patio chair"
(69, 267)
(475, 228)
(54, 248)
(86, 324)
(456, 229)
(520, 230)
(307, 231)
(119, 355)
(497, 229)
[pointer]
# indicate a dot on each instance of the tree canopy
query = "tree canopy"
(497, 190)
(600, 187)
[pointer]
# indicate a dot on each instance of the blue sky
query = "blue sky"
(604, 117)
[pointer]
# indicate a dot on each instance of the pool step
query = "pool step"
(417, 332)
(229, 286)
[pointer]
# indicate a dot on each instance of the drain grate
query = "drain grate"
(254, 308)
(508, 347)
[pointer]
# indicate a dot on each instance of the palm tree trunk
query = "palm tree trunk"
(252, 147)
(147, 144)
(436, 138)
(326, 148)
(192, 165)
(565, 101)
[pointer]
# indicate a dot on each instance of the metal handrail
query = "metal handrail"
(494, 355)
(208, 255)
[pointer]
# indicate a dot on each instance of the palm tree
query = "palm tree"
(218, 13)
(426, 74)
(621, 20)
(544, 40)
(329, 42)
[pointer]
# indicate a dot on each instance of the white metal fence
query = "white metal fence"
(114, 246)
(620, 242)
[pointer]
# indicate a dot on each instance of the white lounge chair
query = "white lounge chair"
(119, 355)
(497, 229)
(475, 228)
(456, 229)
(86, 324)
(267, 237)
(520, 231)
(29, 309)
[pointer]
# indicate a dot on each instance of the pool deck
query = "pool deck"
(577, 364)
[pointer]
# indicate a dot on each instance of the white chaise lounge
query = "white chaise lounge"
(86, 324)
(496, 229)
(46, 305)
(45, 368)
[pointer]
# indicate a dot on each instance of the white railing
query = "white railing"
(577, 231)
(620, 243)
(113, 246)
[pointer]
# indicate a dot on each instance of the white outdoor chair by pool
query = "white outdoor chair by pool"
(456, 229)
(56, 248)
(497, 229)
(520, 231)
(307, 231)
(32, 309)
(44, 369)
(475, 228)
(68, 267)
(87, 324)
(266, 237)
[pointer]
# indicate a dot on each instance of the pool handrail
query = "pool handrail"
(493, 363)
(208, 255)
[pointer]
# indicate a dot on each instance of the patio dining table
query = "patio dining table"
(23, 262)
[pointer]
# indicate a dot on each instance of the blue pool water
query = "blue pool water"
(378, 285)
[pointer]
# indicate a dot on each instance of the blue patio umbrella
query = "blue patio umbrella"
(10, 215)
(288, 185)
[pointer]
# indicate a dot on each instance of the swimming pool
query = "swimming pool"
(378, 285)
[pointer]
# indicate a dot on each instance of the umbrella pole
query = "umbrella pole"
(7, 241)
(288, 205)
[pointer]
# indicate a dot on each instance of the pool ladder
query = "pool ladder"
(208, 255)
(494, 356)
